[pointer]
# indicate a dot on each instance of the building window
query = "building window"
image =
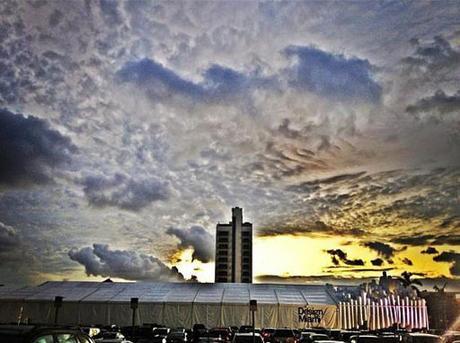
(221, 266)
(245, 233)
(222, 246)
(246, 253)
(222, 273)
(222, 233)
(221, 279)
(222, 240)
(223, 259)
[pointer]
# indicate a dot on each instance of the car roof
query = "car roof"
(246, 334)
(421, 334)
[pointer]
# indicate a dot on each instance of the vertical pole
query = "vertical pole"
(57, 305)
(56, 312)
(253, 327)
(134, 303)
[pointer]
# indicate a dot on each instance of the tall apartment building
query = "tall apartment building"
(234, 250)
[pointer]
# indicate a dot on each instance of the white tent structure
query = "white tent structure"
(172, 304)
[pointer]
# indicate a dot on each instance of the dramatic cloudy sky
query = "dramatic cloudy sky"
(128, 129)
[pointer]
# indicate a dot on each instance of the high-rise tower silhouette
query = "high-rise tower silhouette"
(234, 250)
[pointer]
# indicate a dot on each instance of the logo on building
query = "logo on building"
(310, 315)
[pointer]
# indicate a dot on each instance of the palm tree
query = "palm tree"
(408, 283)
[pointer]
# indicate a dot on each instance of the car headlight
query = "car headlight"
(163, 340)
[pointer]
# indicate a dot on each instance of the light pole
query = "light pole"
(57, 305)
(134, 304)
(253, 309)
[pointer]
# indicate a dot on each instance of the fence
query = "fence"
(383, 313)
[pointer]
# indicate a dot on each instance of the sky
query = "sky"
(129, 129)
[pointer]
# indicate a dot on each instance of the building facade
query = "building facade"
(234, 250)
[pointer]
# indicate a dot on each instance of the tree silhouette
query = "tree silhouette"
(407, 282)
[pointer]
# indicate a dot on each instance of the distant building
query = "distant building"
(234, 250)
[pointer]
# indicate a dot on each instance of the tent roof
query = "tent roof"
(230, 293)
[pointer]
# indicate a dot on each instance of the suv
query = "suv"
(42, 334)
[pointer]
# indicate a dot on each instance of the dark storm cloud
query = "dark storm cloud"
(413, 240)
(440, 102)
(30, 150)
(100, 260)
(407, 261)
(377, 262)
(383, 249)
(430, 251)
(157, 79)
(316, 71)
(307, 228)
(454, 221)
(452, 257)
(428, 239)
(351, 268)
(124, 192)
(160, 82)
(197, 238)
(333, 76)
(342, 257)
(315, 184)
(433, 60)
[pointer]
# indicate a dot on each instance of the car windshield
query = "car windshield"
(283, 333)
(161, 331)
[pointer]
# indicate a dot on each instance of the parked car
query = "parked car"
(364, 339)
(315, 337)
(267, 334)
(247, 338)
(389, 337)
(160, 334)
(223, 333)
(347, 334)
(111, 337)
(418, 337)
(245, 329)
(207, 339)
(177, 337)
(284, 336)
(198, 331)
(40, 334)
(305, 336)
